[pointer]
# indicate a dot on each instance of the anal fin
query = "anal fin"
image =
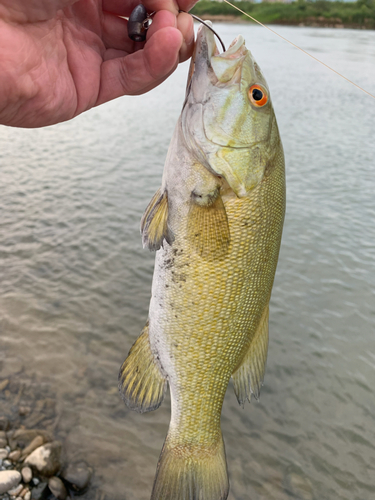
(248, 376)
(208, 228)
(141, 383)
(154, 223)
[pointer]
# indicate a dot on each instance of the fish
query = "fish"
(216, 225)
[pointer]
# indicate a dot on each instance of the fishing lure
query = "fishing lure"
(139, 22)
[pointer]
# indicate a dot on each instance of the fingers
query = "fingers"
(186, 25)
(183, 22)
(115, 35)
(125, 7)
(115, 30)
(143, 70)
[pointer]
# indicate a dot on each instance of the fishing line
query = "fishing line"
(299, 48)
(207, 26)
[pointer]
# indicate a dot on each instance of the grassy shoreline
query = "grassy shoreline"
(319, 13)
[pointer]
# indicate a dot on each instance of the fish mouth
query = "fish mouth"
(207, 61)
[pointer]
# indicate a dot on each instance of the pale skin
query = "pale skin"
(59, 58)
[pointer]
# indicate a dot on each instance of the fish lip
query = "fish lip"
(206, 47)
(201, 66)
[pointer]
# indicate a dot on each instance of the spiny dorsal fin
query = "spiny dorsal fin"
(154, 223)
(141, 383)
(208, 228)
(248, 377)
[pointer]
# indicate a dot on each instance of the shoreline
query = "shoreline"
(312, 22)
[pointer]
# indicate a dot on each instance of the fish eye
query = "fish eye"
(258, 96)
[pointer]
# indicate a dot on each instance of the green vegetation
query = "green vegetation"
(360, 14)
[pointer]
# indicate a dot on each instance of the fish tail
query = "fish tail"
(191, 472)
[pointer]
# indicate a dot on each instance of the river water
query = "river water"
(75, 281)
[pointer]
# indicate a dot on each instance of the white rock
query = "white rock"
(27, 496)
(14, 455)
(8, 480)
(3, 453)
(26, 474)
(46, 458)
(15, 491)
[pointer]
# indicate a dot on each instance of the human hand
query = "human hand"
(59, 58)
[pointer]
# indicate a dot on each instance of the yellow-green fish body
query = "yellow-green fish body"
(216, 222)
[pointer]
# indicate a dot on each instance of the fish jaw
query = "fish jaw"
(222, 128)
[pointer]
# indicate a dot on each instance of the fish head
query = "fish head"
(228, 122)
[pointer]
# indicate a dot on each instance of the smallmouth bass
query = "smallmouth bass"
(216, 223)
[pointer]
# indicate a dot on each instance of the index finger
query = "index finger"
(125, 7)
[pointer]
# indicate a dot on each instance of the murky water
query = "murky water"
(75, 282)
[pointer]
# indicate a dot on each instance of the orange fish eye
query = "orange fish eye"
(258, 96)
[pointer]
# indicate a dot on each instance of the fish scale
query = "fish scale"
(216, 223)
(241, 307)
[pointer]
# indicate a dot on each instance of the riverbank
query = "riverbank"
(321, 13)
(35, 463)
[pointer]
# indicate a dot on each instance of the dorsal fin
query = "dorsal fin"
(154, 223)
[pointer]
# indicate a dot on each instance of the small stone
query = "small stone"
(35, 443)
(6, 463)
(4, 424)
(35, 481)
(78, 475)
(40, 491)
(4, 384)
(8, 480)
(15, 455)
(23, 411)
(3, 439)
(57, 487)
(23, 437)
(3, 453)
(15, 491)
(24, 491)
(46, 458)
(27, 496)
(27, 474)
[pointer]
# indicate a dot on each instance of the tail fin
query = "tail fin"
(191, 473)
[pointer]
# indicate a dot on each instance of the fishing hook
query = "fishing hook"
(207, 26)
(139, 22)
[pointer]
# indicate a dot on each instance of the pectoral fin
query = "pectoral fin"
(248, 377)
(141, 383)
(208, 229)
(154, 223)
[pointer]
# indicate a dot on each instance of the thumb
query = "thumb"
(143, 70)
